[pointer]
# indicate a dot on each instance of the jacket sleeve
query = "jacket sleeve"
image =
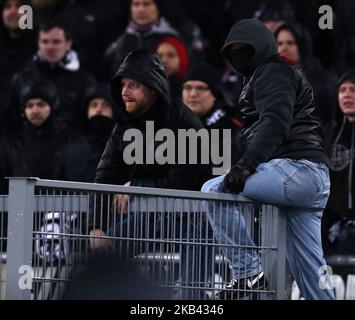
(275, 91)
(111, 168)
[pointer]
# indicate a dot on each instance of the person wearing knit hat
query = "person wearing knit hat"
(201, 94)
(33, 150)
(174, 54)
(339, 217)
(200, 88)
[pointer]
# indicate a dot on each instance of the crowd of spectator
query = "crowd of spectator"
(56, 110)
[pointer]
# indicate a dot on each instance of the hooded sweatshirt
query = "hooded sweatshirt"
(342, 158)
(33, 151)
(276, 103)
(147, 68)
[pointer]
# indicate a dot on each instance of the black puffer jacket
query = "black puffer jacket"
(147, 68)
(276, 103)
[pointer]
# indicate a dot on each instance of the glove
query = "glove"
(234, 181)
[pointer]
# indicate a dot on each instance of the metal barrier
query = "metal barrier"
(165, 232)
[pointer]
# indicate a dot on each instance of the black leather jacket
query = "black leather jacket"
(276, 103)
(278, 114)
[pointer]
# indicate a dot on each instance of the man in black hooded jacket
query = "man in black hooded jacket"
(145, 70)
(34, 150)
(284, 163)
(141, 90)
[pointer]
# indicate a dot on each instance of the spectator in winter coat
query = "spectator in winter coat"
(55, 62)
(284, 163)
(339, 227)
(141, 90)
(145, 30)
(33, 151)
(94, 25)
(82, 153)
(201, 94)
(174, 54)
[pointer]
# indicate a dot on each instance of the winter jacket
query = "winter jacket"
(323, 81)
(30, 152)
(276, 103)
(70, 81)
(147, 69)
(94, 26)
(342, 159)
(131, 40)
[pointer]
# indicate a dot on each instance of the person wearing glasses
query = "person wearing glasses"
(201, 94)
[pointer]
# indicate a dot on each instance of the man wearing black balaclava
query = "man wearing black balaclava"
(82, 154)
(284, 164)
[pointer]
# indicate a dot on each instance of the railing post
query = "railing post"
(281, 256)
(20, 238)
(274, 235)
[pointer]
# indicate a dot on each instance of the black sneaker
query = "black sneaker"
(245, 288)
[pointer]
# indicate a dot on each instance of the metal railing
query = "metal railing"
(166, 233)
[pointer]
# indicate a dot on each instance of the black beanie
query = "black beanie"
(98, 90)
(206, 74)
(347, 76)
(40, 90)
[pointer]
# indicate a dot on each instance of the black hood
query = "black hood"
(146, 68)
(257, 35)
(98, 90)
(337, 114)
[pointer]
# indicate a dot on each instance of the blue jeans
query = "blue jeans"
(300, 187)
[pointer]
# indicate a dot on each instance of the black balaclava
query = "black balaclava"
(101, 125)
(241, 59)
